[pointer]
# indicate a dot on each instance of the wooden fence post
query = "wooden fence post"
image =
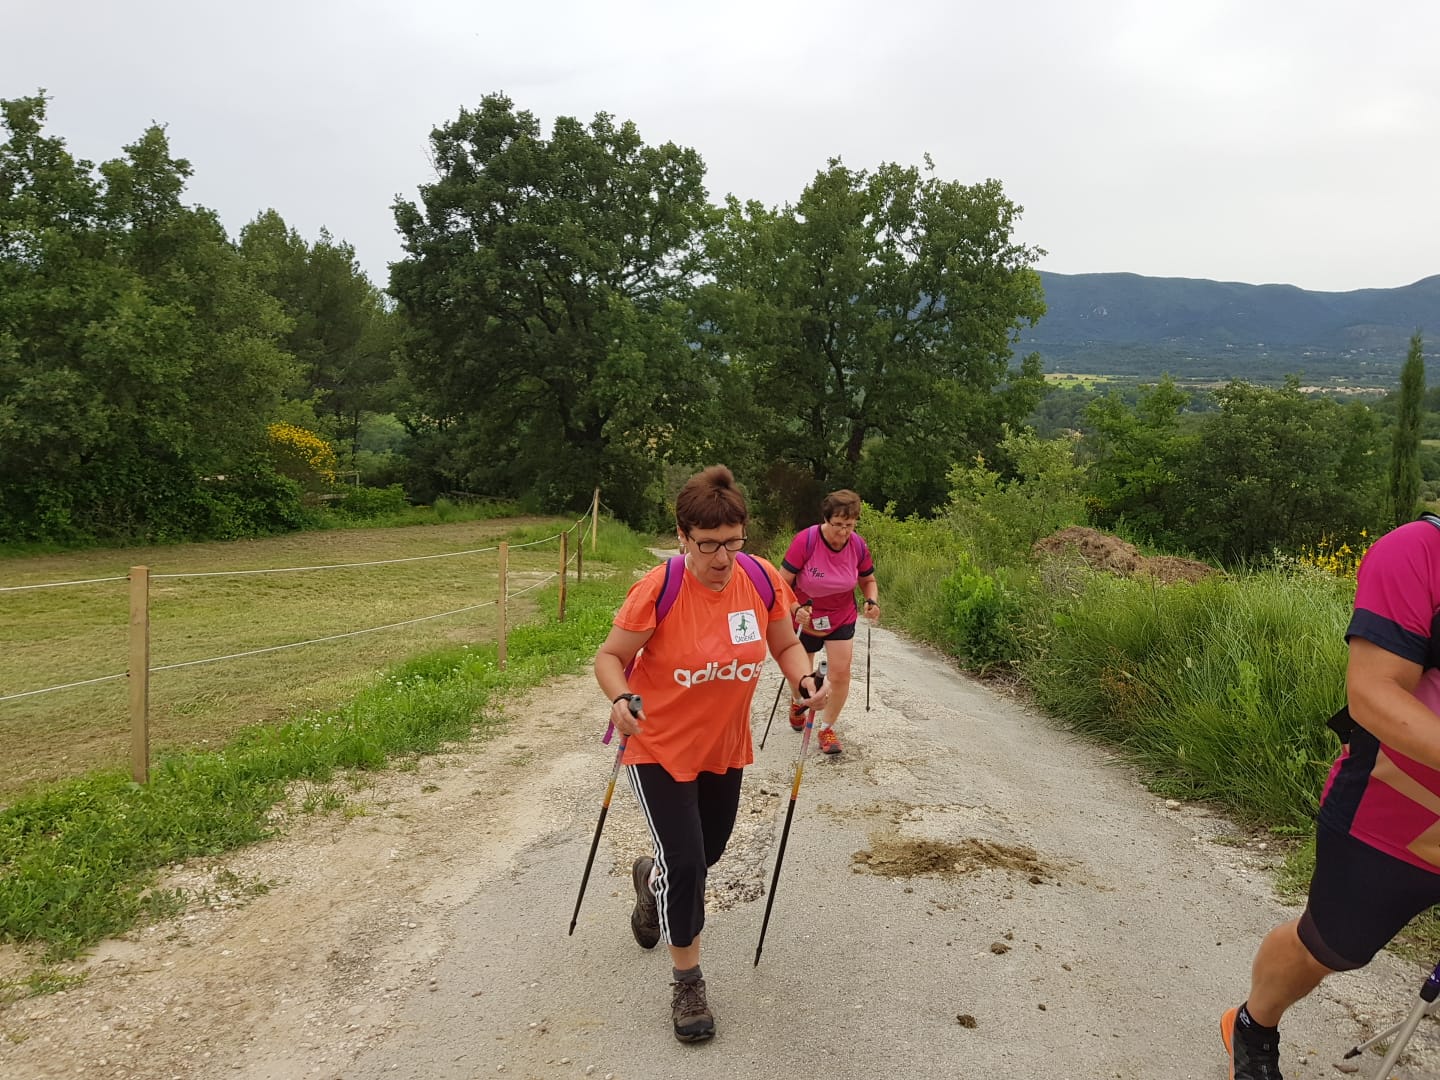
(594, 521)
(140, 674)
(500, 640)
(564, 569)
(580, 559)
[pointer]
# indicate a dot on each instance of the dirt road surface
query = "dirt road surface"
(968, 891)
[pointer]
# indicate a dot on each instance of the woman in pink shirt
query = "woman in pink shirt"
(824, 565)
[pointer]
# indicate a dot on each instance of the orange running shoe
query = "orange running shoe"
(829, 743)
(797, 716)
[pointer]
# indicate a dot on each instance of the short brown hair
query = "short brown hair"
(844, 502)
(709, 500)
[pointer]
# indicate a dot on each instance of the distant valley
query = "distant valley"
(1127, 324)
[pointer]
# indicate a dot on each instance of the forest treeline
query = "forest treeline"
(573, 310)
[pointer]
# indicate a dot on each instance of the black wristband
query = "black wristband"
(623, 697)
(871, 603)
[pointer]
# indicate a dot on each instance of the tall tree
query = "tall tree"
(1138, 451)
(342, 334)
(875, 320)
(542, 283)
(136, 354)
(1275, 468)
(1405, 447)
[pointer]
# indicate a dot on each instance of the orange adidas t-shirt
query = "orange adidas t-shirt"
(699, 670)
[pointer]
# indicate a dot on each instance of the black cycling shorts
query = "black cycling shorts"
(814, 644)
(1360, 898)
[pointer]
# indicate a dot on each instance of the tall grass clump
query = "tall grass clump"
(1220, 689)
(913, 557)
(78, 859)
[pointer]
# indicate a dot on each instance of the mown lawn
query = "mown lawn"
(54, 636)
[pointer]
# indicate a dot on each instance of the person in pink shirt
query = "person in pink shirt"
(825, 564)
(1377, 842)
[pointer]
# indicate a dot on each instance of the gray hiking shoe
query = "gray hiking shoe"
(645, 916)
(691, 1012)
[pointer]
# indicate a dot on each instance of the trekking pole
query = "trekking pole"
(1406, 1028)
(869, 629)
(604, 809)
(778, 691)
(790, 813)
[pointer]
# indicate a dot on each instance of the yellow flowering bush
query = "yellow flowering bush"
(1340, 559)
(301, 455)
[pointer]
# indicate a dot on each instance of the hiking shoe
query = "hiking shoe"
(797, 717)
(690, 1012)
(829, 743)
(645, 916)
(1252, 1057)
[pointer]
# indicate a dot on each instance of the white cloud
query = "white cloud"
(1279, 141)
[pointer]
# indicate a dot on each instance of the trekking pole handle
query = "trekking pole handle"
(818, 675)
(636, 706)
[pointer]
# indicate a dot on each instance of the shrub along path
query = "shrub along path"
(961, 859)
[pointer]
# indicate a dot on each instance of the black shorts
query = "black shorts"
(1360, 898)
(814, 644)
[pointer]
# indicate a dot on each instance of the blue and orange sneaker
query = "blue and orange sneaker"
(1253, 1055)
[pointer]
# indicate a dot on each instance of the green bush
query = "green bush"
(981, 616)
(254, 501)
(154, 501)
(369, 502)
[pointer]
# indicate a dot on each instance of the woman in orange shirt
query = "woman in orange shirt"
(696, 668)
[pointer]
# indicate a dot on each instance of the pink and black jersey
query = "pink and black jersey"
(828, 578)
(1374, 792)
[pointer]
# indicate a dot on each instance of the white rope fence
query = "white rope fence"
(294, 569)
(62, 584)
(333, 566)
(148, 670)
(292, 645)
(64, 686)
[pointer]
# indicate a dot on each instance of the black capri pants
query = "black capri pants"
(1360, 898)
(690, 822)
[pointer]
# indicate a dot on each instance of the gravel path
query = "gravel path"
(968, 891)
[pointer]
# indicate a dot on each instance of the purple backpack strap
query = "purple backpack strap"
(758, 577)
(669, 592)
(670, 589)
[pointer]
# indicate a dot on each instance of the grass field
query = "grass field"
(54, 636)
(1065, 380)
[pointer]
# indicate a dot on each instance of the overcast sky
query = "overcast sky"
(1290, 141)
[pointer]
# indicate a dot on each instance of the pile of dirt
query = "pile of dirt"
(904, 857)
(1113, 555)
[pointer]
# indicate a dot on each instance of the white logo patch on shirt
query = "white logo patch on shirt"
(744, 626)
(820, 623)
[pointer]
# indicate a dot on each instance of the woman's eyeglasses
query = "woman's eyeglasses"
(710, 547)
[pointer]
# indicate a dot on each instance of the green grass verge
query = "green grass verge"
(78, 858)
(1220, 689)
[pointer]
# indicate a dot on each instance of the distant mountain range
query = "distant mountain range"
(1127, 324)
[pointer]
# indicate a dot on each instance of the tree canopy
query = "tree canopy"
(136, 352)
(543, 285)
(874, 321)
(343, 336)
